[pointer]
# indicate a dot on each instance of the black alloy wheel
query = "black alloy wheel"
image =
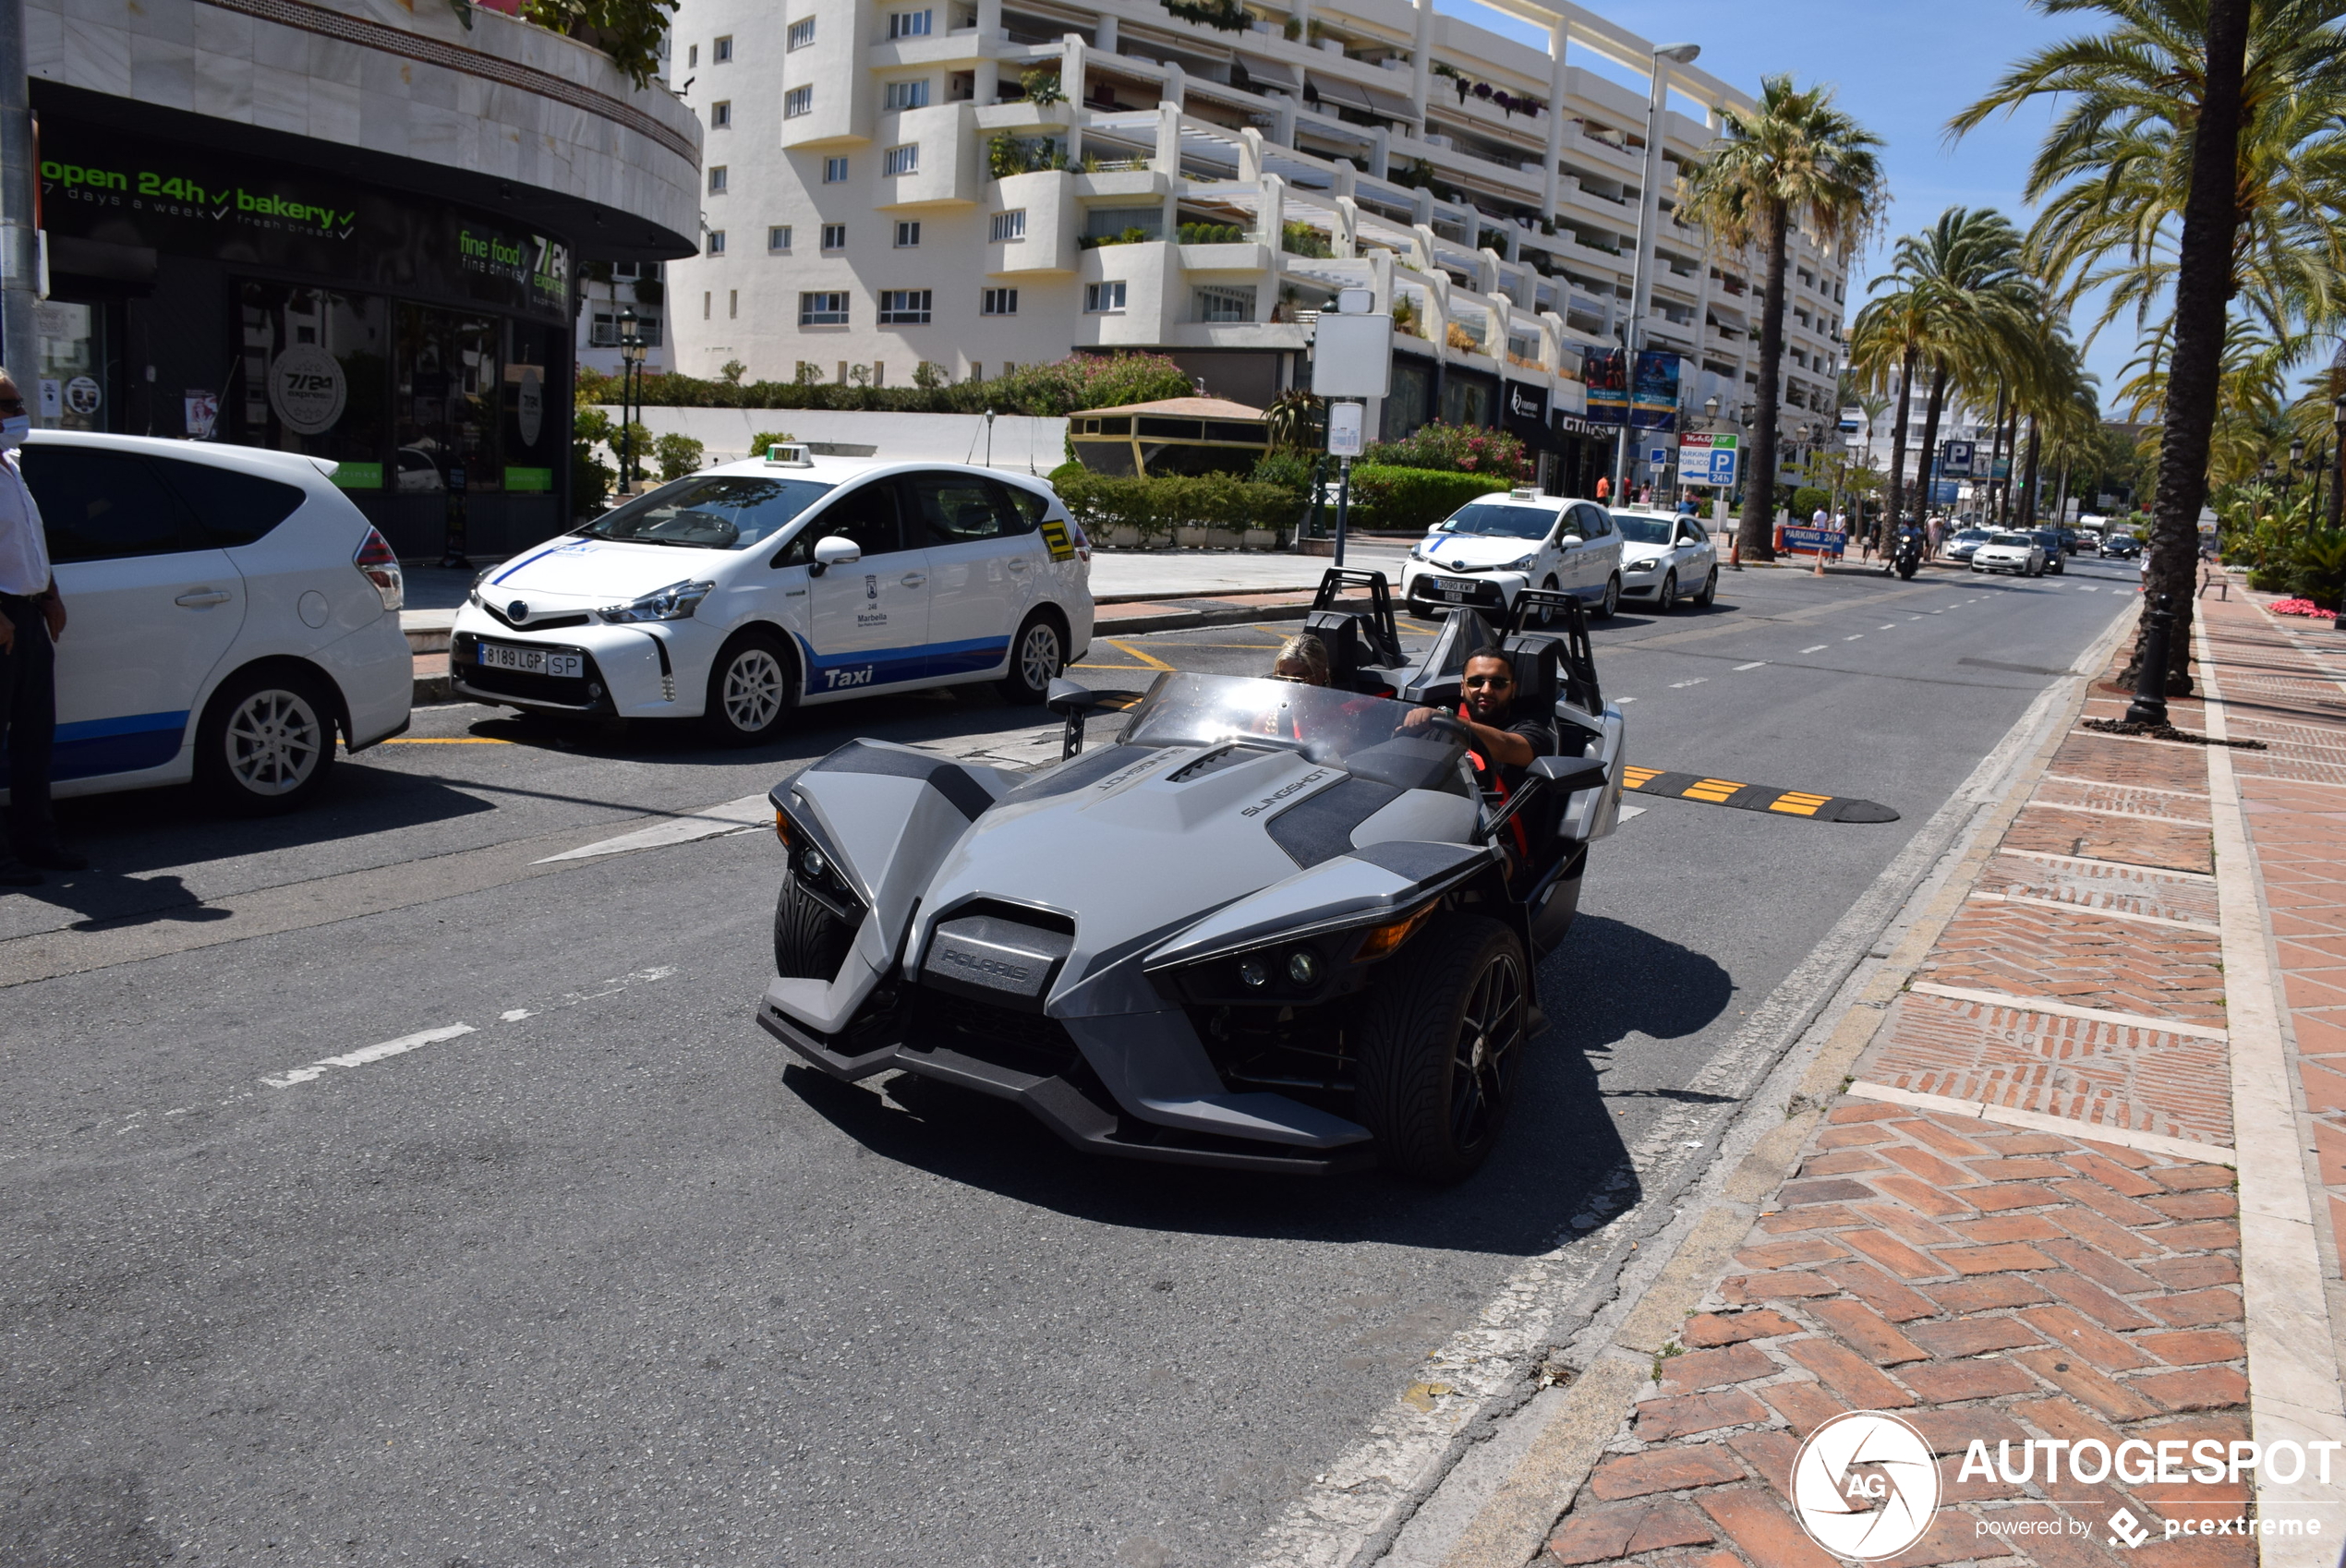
(1442, 1049)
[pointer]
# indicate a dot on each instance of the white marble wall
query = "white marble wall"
(187, 54)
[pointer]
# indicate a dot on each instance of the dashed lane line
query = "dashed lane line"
(1854, 637)
(1753, 665)
(1680, 685)
(1819, 648)
(367, 1053)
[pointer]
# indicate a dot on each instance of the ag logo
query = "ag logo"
(871, 589)
(1865, 1486)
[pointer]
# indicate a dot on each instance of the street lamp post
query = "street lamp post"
(630, 368)
(1648, 219)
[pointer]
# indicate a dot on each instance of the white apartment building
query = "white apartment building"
(880, 194)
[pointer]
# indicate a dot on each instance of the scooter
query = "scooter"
(1908, 557)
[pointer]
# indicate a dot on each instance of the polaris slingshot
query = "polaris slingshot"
(1270, 927)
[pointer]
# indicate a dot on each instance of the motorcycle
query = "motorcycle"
(1906, 559)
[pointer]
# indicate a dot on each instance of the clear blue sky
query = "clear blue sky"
(1902, 68)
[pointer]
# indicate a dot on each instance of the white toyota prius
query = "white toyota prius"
(737, 593)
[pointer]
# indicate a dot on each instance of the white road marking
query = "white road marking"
(514, 1015)
(1680, 685)
(732, 817)
(1819, 648)
(1753, 665)
(367, 1053)
(1854, 637)
(2087, 588)
(1625, 699)
(1892, 627)
(1627, 811)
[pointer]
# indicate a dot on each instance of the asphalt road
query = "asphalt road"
(604, 1279)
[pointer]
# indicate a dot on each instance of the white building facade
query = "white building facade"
(883, 200)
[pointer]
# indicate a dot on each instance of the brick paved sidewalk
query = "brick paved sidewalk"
(2021, 1220)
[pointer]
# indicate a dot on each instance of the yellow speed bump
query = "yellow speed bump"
(1753, 797)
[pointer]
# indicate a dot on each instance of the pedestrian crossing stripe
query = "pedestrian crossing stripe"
(1754, 797)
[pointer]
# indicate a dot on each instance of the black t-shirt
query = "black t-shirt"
(1539, 730)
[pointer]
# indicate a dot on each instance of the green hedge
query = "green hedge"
(1154, 507)
(1413, 499)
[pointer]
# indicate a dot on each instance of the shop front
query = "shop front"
(214, 295)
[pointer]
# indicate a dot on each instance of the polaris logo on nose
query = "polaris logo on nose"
(984, 966)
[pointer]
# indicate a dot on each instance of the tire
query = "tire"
(266, 744)
(1435, 1117)
(1709, 594)
(810, 942)
(1612, 598)
(1038, 655)
(750, 690)
(1665, 597)
(1547, 612)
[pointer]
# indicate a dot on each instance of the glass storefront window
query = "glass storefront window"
(445, 400)
(312, 370)
(532, 418)
(71, 394)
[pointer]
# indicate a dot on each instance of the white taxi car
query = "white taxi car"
(1496, 546)
(739, 592)
(1665, 558)
(227, 611)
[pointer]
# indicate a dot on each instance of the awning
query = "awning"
(1272, 73)
(1375, 99)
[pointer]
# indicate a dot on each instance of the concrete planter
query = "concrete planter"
(1126, 537)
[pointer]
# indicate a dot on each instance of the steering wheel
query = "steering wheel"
(1452, 725)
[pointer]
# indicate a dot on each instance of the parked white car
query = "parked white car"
(228, 610)
(737, 593)
(2021, 554)
(1666, 558)
(1493, 548)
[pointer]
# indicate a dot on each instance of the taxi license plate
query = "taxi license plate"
(532, 661)
(1457, 593)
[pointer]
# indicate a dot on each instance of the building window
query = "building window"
(828, 309)
(1008, 225)
(720, 115)
(604, 329)
(906, 94)
(908, 237)
(904, 160)
(705, 298)
(802, 33)
(692, 54)
(1103, 297)
(908, 24)
(777, 237)
(904, 307)
(834, 171)
(722, 50)
(1224, 304)
(717, 242)
(997, 302)
(834, 236)
(717, 179)
(732, 304)
(798, 100)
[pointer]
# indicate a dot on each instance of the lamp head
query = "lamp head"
(1683, 54)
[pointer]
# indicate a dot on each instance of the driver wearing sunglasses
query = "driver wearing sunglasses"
(1503, 742)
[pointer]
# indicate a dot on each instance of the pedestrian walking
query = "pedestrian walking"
(32, 616)
(1604, 487)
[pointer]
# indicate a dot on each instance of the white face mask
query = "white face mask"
(13, 431)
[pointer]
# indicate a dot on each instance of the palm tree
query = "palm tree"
(1792, 159)
(2194, 125)
(1885, 342)
(1960, 307)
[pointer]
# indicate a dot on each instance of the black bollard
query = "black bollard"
(2149, 706)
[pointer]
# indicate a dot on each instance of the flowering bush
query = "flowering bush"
(2297, 606)
(1457, 449)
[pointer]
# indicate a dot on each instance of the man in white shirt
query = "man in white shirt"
(32, 616)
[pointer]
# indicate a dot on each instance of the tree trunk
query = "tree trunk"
(2009, 441)
(2028, 484)
(2203, 289)
(1995, 507)
(1898, 443)
(1757, 535)
(1932, 410)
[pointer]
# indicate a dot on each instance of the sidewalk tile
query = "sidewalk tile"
(1658, 1419)
(1878, 1291)
(1712, 1329)
(1867, 1331)
(1764, 1532)
(1700, 1369)
(1668, 1469)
